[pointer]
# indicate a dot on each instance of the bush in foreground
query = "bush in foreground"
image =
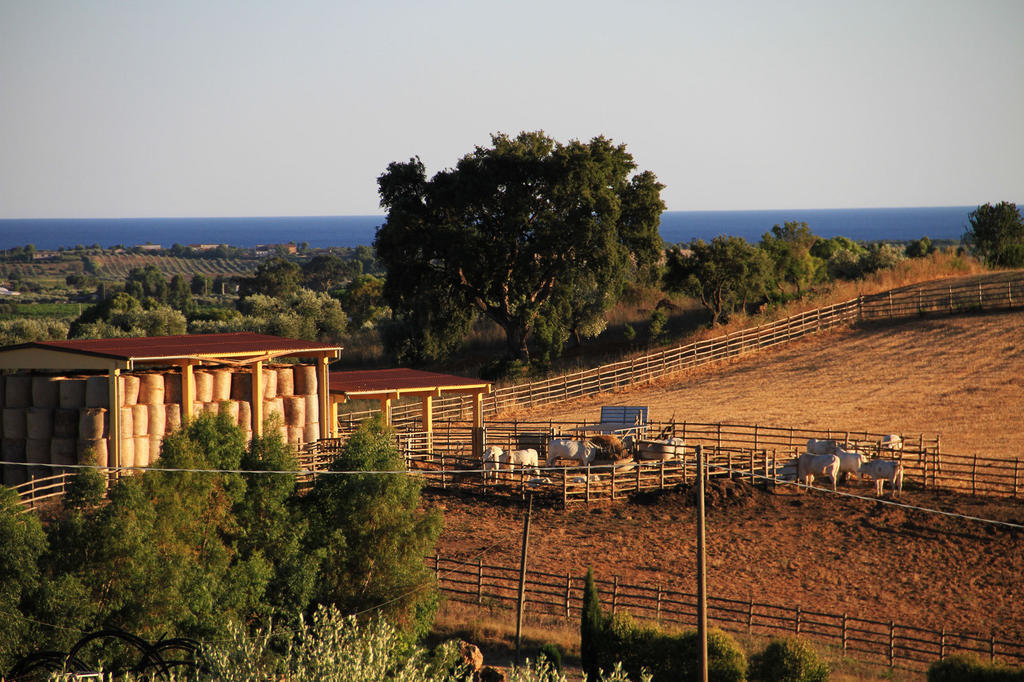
(787, 660)
(966, 669)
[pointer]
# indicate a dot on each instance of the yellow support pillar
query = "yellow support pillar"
(385, 410)
(257, 398)
(114, 421)
(323, 387)
(188, 392)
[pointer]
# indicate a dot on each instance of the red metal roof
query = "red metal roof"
(182, 345)
(390, 380)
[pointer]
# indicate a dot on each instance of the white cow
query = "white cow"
(494, 458)
(850, 462)
(819, 446)
(663, 453)
(523, 459)
(893, 442)
(882, 470)
(809, 465)
(565, 448)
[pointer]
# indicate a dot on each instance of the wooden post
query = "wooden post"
(615, 593)
(658, 605)
(479, 581)
(892, 644)
(613, 481)
(796, 623)
(844, 633)
(991, 648)
(1016, 467)
(750, 613)
(751, 467)
(568, 592)
(974, 475)
(521, 601)
(942, 643)
(702, 583)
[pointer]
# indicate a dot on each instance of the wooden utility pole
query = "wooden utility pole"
(521, 602)
(702, 581)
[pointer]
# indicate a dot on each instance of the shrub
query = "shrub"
(787, 660)
(552, 654)
(967, 669)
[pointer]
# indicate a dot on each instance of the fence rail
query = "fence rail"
(560, 596)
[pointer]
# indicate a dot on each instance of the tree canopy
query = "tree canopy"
(509, 231)
(997, 234)
(724, 275)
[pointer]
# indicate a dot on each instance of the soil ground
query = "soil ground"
(960, 377)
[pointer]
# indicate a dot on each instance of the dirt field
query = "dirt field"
(962, 378)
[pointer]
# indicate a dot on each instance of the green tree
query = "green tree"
(920, 248)
(303, 314)
(593, 623)
(363, 300)
(996, 234)
(179, 295)
(327, 271)
(276, 276)
(789, 247)
(724, 275)
(504, 232)
(201, 284)
(22, 542)
(146, 282)
(373, 534)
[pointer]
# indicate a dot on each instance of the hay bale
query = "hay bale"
(269, 383)
(18, 391)
(241, 386)
(13, 450)
(172, 418)
(127, 423)
(312, 409)
(141, 447)
(295, 411)
(244, 416)
(221, 385)
(295, 434)
(285, 381)
(172, 388)
(156, 416)
(92, 423)
(14, 422)
(204, 387)
(211, 408)
(140, 420)
(63, 451)
(230, 408)
(151, 389)
(305, 379)
(97, 392)
(155, 442)
(39, 423)
(65, 423)
(130, 384)
(37, 451)
(71, 393)
(46, 391)
(283, 432)
(273, 406)
(127, 452)
(96, 447)
(311, 433)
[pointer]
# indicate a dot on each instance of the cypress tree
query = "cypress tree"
(592, 624)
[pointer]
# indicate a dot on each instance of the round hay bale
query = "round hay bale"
(141, 447)
(305, 379)
(230, 408)
(221, 385)
(127, 423)
(241, 386)
(63, 451)
(39, 423)
(211, 408)
(172, 417)
(154, 448)
(12, 449)
(46, 391)
(96, 447)
(15, 422)
(244, 416)
(97, 393)
(130, 389)
(269, 383)
(18, 391)
(71, 393)
(37, 451)
(312, 409)
(172, 388)
(295, 434)
(283, 431)
(14, 475)
(127, 452)
(285, 381)
(273, 406)
(140, 420)
(92, 423)
(311, 433)
(204, 387)
(156, 415)
(65, 423)
(295, 411)
(151, 389)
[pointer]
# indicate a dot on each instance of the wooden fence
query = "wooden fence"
(551, 596)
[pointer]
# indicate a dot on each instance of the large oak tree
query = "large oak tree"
(507, 232)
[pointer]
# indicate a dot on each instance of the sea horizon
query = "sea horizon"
(860, 224)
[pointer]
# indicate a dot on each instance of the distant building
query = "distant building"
(149, 247)
(46, 255)
(4, 291)
(204, 247)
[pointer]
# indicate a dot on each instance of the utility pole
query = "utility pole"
(702, 580)
(521, 602)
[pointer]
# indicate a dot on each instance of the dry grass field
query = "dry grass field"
(962, 378)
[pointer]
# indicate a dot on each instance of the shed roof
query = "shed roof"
(124, 353)
(381, 383)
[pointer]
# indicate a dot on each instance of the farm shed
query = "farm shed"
(119, 396)
(388, 385)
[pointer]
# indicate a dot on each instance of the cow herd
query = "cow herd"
(823, 459)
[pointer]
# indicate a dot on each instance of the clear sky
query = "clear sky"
(157, 108)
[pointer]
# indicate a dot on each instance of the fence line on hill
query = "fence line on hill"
(992, 292)
(560, 597)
